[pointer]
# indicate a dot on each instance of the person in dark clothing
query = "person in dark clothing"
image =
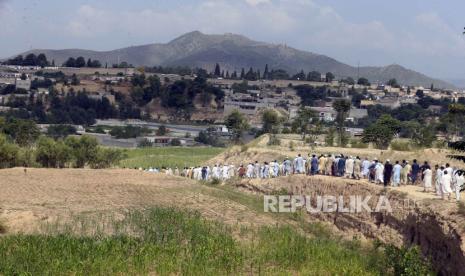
(415, 171)
(372, 171)
(387, 173)
(204, 173)
(341, 166)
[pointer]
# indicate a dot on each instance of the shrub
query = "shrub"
(60, 131)
(286, 130)
(175, 143)
(329, 139)
(440, 144)
(274, 141)
(354, 143)
(145, 143)
(400, 146)
(215, 181)
(291, 145)
(8, 153)
(51, 154)
(106, 158)
(406, 261)
(83, 150)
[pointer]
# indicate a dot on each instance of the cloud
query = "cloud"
(256, 2)
(2, 4)
(305, 24)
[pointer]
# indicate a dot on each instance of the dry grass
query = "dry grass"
(263, 152)
(45, 195)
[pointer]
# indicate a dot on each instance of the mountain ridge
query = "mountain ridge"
(234, 52)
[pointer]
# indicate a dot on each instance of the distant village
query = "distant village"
(20, 84)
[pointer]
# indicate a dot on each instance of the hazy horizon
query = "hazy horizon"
(426, 37)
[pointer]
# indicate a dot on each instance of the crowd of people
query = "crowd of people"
(444, 180)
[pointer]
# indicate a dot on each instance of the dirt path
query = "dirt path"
(45, 195)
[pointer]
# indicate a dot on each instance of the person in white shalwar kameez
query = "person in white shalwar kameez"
(446, 181)
(249, 172)
(396, 174)
(299, 164)
(459, 182)
(349, 167)
(216, 172)
(275, 168)
(365, 168)
(379, 173)
(437, 180)
(427, 179)
(231, 172)
(256, 170)
(225, 172)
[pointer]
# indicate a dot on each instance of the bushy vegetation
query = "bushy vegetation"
(49, 153)
(169, 157)
(168, 241)
(355, 143)
(401, 145)
(22, 145)
(129, 132)
(406, 261)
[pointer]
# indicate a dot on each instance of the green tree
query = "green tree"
(106, 158)
(271, 121)
(329, 139)
(237, 124)
(301, 122)
(349, 81)
(363, 81)
(381, 132)
(420, 134)
(299, 76)
(393, 83)
(51, 154)
(266, 73)
(329, 77)
(342, 108)
(80, 62)
(217, 70)
(162, 130)
(23, 132)
(314, 76)
(84, 149)
(457, 115)
(8, 153)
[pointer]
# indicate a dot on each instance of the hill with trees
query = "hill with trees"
(234, 52)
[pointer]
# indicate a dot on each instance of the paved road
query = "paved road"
(194, 130)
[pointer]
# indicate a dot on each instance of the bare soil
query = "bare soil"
(45, 195)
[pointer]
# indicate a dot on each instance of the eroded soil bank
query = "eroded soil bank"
(436, 226)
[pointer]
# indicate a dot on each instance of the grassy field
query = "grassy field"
(169, 157)
(169, 241)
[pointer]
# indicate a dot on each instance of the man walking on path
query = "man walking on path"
(397, 173)
(387, 173)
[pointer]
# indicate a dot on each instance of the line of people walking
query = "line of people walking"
(443, 180)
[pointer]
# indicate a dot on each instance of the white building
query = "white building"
(23, 84)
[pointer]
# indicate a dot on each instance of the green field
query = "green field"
(169, 241)
(169, 157)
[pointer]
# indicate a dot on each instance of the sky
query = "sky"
(423, 35)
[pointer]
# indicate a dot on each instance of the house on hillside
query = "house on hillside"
(328, 114)
(390, 102)
(23, 84)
